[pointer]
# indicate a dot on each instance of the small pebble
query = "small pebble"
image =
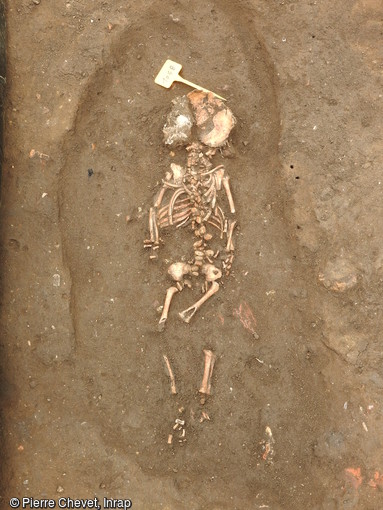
(339, 275)
(60, 489)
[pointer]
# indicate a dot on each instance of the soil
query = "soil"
(86, 402)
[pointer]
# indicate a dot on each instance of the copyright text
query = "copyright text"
(70, 503)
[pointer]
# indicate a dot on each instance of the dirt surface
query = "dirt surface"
(86, 403)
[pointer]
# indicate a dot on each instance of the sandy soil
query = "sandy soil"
(86, 403)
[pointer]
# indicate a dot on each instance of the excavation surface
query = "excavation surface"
(295, 411)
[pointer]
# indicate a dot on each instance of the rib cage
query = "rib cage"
(192, 198)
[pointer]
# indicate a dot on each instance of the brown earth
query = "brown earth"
(86, 404)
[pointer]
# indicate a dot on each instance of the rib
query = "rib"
(222, 214)
(213, 170)
(176, 194)
(209, 190)
(207, 215)
(183, 222)
(170, 185)
(164, 222)
(215, 225)
(181, 204)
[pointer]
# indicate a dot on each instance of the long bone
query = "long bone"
(221, 214)
(160, 196)
(230, 230)
(187, 314)
(151, 224)
(218, 176)
(169, 296)
(177, 271)
(211, 274)
(207, 372)
(226, 185)
(214, 200)
(153, 229)
(171, 375)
